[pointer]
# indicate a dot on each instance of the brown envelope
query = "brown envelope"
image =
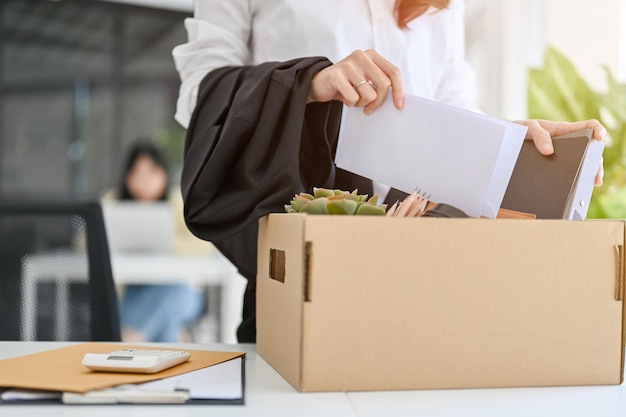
(61, 369)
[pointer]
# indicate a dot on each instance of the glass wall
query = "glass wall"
(79, 81)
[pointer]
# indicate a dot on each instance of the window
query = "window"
(80, 80)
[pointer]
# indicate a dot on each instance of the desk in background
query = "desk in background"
(268, 394)
(204, 271)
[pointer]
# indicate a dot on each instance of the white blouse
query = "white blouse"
(430, 54)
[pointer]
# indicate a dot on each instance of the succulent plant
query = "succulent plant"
(326, 201)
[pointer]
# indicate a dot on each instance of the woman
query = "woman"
(241, 63)
(423, 51)
(153, 313)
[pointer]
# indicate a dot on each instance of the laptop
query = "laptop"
(139, 227)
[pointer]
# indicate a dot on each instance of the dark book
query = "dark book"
(558, 186)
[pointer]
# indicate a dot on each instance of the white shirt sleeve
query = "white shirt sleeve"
(431, 55)
(218, 36)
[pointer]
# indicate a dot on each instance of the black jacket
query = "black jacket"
(252, 143)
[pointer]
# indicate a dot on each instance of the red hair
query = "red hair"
(407, 10)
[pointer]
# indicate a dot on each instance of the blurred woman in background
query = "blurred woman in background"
(160, 312)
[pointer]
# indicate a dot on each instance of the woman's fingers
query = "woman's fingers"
(362, 79)
(562, 128)
(542, 131)
(389, 78)
(540, 136)
(367, 91)
(600, 174)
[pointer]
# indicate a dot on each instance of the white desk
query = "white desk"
(171, 269)
(268, 394)
(68, 267)
(202, 270)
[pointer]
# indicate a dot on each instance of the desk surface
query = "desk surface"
(268, 394)
(199, 270)
(157, 268)
(148, 268)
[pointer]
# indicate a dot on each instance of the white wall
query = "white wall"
(506, 37)
(498, 41)
(588, 33)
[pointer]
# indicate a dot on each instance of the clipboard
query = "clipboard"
(558, 186)
(60, 370)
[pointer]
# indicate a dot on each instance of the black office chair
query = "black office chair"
(55, 273)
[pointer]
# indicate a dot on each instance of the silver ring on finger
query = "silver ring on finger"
(360, 83)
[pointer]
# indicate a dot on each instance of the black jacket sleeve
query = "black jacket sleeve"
(252, 143)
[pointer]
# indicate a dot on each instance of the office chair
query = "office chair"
(56, 281)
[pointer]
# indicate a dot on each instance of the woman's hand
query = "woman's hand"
(541, 132)
(361, 79)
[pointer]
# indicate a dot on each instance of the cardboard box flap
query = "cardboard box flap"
(281, 284)
(621, 291)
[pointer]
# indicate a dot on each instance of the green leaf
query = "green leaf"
(371, 210)
(615, 99)
(353, 197)
(558, 92)
(614, 202)
(373, 200)
(298, 202)
(322, 192)
(317, 206)
(344, 206)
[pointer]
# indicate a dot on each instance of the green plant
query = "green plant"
(170, 140)
(557, 91)
(326, 201)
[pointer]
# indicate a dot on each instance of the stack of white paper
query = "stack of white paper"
(458, 157)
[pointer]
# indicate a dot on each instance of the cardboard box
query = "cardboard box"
(375, 303)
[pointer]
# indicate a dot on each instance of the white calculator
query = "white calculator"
(144, 361)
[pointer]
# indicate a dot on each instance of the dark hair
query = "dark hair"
(138, 149)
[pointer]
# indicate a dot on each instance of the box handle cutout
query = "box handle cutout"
(619, 272)
(307, 273)
(277, 265)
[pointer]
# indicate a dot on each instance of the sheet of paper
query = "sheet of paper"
(221, 381)
(29, 395)
(458, 157)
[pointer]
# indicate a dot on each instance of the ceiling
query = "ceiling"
(43, 41)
